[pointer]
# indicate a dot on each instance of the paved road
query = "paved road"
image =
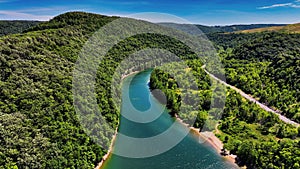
(281, 117)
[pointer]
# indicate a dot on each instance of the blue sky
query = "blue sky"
(207, 12)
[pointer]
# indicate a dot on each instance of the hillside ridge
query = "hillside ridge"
(292, 28)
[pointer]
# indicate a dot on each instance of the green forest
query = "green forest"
(39, 126)
(222, 29)
(13, 27)
(257, 137)
(265, 65)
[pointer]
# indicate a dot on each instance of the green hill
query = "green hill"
(293, 28)
(265, 65)
(12, 27)
(39, 127)
(219, 29)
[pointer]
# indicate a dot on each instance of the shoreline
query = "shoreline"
(211, 139)
(105, 157)
(125, 76)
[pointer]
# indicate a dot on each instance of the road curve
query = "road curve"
(248, 97)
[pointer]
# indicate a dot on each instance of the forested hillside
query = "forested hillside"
(37, 101)
(39, 126)
(221, 29)
(257, 137)
(266, 65)
(12, 27)
(292, 28)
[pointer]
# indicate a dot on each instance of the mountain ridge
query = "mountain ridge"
(60, 21)
(220, 29)
(291, 28)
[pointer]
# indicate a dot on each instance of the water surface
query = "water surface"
(188, 154)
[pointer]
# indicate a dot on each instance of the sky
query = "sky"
(206, 12)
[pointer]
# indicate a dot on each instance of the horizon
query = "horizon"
(233, 24)
(210, 13)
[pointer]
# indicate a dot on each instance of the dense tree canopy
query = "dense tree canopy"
(12, 27)
(40, 129)
(257, 137)
(36, 91)
(267, 66)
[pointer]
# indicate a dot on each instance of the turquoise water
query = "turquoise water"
(187, 154)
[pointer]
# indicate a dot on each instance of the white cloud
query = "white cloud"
(5, 1)
(276, 5)
(295, 4)
(10, 15)
(42, 14)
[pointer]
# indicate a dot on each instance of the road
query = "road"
(248, 97)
